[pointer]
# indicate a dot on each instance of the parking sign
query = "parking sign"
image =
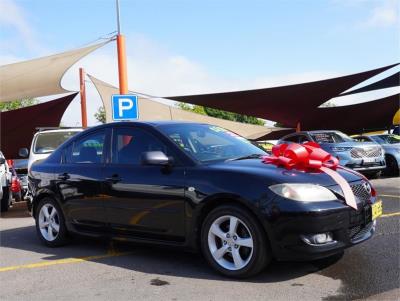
(124, 107)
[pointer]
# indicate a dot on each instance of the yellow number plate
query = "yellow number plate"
(376, 210)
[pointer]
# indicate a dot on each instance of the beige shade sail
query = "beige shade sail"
(153, 110)
(41, 76)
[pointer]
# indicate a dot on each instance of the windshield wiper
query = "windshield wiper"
(252, 156)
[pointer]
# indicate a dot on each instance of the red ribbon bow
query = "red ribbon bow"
(310, 157)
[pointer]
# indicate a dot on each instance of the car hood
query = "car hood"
(391, 146)
(281, 175)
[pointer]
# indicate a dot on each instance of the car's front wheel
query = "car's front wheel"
(234, 243)
(50, 224)
(392, 168)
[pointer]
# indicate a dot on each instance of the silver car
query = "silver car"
(365, 157)
(391, 145)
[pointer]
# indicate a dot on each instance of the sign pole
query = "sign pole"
(82, 88)
(122, 70)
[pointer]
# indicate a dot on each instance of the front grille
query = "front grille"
(361, 216)
(359, 231)
(369, 152)
(361, 192)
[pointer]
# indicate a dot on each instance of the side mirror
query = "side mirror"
(23, 152)
(155, 158)
(2, 160)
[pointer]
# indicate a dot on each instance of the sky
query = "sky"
(179, 47)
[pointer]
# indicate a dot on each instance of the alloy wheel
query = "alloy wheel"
(230, 242)
(49, 222)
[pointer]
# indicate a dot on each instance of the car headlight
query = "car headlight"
(340, 149)
(303, 192)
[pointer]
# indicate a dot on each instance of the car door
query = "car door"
(143, 201)
(79, 181)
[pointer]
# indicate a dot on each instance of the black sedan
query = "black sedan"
(199, 187)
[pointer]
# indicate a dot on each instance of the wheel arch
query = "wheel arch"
(220, 200)
(40, 196)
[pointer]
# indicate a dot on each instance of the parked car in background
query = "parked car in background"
(5, 183)
(198, 187)
(365, 157)
(391, 145)
(15, 185)
(267, 145)
(21, 167)
(45, 141)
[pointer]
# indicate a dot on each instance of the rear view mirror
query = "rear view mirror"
(155, 158)
(2, 160)
(23, 152)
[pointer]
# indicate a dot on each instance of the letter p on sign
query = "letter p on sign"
(124, 107)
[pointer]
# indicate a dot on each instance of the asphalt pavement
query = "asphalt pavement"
(93, 270)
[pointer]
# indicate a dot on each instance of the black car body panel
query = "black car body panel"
(167, 204)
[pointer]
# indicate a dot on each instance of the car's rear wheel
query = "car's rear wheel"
(5, 201)
(50, 223)
(233, 242)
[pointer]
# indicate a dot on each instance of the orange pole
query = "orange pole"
(298, 127)
(83, 97)
(122, 70)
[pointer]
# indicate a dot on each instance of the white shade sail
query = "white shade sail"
(41, 76)
(153, 110)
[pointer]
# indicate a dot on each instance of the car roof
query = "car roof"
(60, 130)
(149, 123)
(313, 132)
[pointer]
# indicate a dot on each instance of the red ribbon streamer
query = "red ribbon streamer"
(310, 157)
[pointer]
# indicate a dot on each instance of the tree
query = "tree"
(328, 104)
(220, 114)
(100, 115)
(279, 125)
(17, 104)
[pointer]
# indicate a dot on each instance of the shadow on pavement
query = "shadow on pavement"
(151, 260)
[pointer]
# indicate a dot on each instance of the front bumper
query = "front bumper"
(347, 226)
(361, 164)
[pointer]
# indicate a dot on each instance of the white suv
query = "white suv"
(45, 142)
(5, 182)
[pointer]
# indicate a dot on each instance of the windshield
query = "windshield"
(386, 139)
(207, 143)
(47, 142)
(331, 137)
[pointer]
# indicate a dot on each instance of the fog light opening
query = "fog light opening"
(318, 239)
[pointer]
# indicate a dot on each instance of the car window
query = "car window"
(294, 138)
(303, 139)
(387, 139)
(128, 145)
(331, 137)
(47, 142)
(208, 143)
(362, 139)
(88, 149)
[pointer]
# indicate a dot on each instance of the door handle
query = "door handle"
(114, 179)
(64, 176)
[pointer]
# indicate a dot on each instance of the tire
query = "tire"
(252, 259)
(392, 168)
(54, 220)
(5, 201)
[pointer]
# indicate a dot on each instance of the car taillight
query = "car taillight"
(15, 185)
